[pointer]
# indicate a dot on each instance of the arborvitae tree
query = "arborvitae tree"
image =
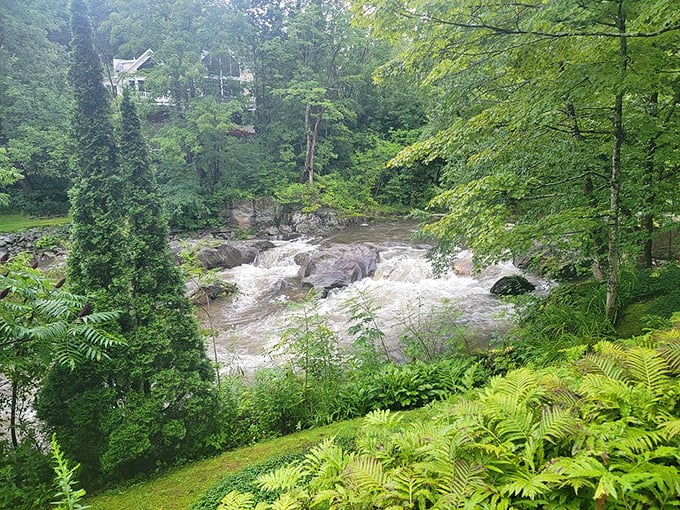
(153, 401)
(96, 260)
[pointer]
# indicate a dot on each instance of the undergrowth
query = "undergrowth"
(601, 431)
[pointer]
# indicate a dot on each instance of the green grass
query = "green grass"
(179, 488)
(18, 222)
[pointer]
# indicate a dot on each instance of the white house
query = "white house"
(225, 79)
(126, 74)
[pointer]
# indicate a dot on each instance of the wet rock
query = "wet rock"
(463, 266)
(512, 286)
(231, 254)
(222, 256)
(204, 294)
(337, 265)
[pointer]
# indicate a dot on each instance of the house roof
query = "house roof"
(123, 67)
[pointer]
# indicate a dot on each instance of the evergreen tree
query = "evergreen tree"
(153, 401)
(96, 261)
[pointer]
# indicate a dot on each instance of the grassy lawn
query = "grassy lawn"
(18, 222)
(179, 488)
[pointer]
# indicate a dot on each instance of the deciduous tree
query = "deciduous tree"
(546, 143)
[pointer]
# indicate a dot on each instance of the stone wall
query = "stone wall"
(45, 243)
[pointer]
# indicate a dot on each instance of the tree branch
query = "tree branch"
(498, 30)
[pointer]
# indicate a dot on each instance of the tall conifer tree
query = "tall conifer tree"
(96, 261)
(153, 401)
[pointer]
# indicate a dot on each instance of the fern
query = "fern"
(529, 485)
(671, 428)
(458, 479)
(599, 364)
(382, 418)
(636, 440)
(520, 385)
(286, 502)
(283, 479)
(669, 347)
(649, 368)
(406, 486)
(235, 500)
(366, 474)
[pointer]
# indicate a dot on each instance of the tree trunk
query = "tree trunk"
(13, 414)
(648, 186)
(613, 255)
(598, 235)
(312, 133)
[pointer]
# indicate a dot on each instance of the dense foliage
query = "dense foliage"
(41, 324)
(569, 160)
(575, 150)
(257, 96)
(601, 431)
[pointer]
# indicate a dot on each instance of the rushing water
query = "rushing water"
(402, 290)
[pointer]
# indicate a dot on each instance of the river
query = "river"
(403, 291)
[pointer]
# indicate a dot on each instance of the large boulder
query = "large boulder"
(231, 254)
(337, 265)
(512, 286)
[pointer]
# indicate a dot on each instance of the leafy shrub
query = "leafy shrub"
(349, 197)
(601, 432)
(572, 314)
(25, 478)
(433, 333)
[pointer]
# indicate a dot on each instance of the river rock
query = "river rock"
(512, 286)
(231, 254)
(337, 265)
(204, 294)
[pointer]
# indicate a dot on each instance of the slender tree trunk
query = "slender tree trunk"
(613, 255)
(13, 414)
(598, 235)
(648, 186)
(312, 133)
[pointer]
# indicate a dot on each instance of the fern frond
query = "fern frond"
(382, 418)
(601, 387)
(649, 368)
(669, 347)
(637, 440)
(529, 485)
(235, 500)
(366, 474)
(521, 385)
(557, 423)
(593, 363)
(610, 350)
(406, 487)
(283, 479)
(460, 478)
(286, 502)
(581, 466)
(510, 420)
(671, 428)
(326, 462)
